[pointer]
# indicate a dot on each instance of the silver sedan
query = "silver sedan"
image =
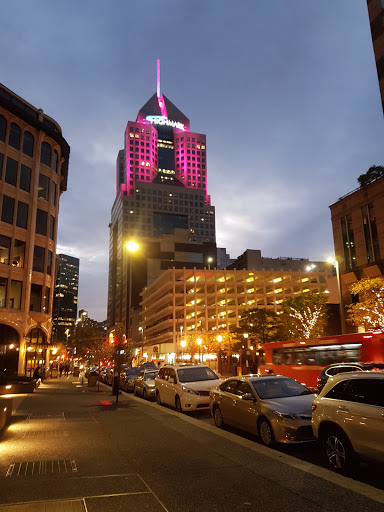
(276, 408)
(145, 384)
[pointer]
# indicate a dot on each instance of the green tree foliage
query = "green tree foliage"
(261, 325)
(303, 316)
(86, 338)
(369, 310)
(373, 173)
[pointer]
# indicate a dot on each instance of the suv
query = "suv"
(336, 368)
(348, 419)
(185, 386)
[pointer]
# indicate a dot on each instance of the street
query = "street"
(72, 446)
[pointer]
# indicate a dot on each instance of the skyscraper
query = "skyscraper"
(161, 185)
(65, 297)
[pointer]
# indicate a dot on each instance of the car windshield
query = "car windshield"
(268, 389)
(196, 374)
(150, 376)
(133, 372)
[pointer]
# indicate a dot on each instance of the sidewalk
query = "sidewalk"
(72, 448)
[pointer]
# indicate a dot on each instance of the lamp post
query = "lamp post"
(132, 247)
(182, 343)
(142, 341)
(209, 262)
(335, 263)
(199, 341)
(219, 339)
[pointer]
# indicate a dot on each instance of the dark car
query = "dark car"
(150, 365)
(336, 368)
(127, 379)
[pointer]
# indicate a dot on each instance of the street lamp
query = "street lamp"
(182, 343)
(132, 247)
(219, 339)
(209, 262)
(199, 341)
(335, 263)
(142, 341)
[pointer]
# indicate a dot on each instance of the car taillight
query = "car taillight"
(313, 407)
(318, 380)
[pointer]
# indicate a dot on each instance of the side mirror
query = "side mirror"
(248, 396)
(171, 380)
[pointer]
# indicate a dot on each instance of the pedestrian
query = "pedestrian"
(61, 368)
(66, 370)
(37, 375)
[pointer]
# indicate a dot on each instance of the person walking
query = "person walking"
(61, 368)
(66, 370)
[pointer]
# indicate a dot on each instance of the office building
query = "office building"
(161, 185)
(33, 173)
(253, 260)
(358, 235)
(376, 20)
(65, 297)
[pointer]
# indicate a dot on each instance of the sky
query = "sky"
(286, 92)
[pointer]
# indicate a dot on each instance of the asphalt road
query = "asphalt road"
(72, 445)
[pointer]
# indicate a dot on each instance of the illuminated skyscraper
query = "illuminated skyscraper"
(161, 185)
(65, 297)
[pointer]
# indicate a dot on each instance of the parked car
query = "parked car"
(150, 365)
(186, 386)
(276, 408)
(336, 368)
(145, 384)
(127, 379)
(348, 419)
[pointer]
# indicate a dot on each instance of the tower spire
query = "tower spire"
(158, 78)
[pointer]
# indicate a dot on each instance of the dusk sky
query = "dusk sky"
(286, 92)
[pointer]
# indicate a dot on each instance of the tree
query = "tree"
(261, 325)
(303, 316)
(369, 310)
(373, 173)
(86, 338)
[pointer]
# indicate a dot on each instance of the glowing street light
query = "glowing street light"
(199, 341)
(209, 262)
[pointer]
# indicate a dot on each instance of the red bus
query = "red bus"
(304, 359)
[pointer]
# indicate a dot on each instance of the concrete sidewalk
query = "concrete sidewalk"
(72, 446)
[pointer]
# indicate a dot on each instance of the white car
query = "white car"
(185, 387)
(348, 419)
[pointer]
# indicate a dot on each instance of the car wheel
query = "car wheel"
(338, 451)
(158, 399)
(145, 394)
(266, 432)
(135, 391)
(218, 417)
(178, 404)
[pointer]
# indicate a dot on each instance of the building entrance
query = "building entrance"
(9, 349)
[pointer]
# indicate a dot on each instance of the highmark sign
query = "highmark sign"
(165, 122)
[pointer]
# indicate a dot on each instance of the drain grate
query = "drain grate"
(45, 434)
(38, 416)
(41, 467)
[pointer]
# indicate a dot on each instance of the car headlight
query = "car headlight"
(189, 390)
(285, 416)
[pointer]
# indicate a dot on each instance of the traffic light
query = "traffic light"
(112, 339)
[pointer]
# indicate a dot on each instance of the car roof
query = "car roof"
(357, 375)
(184, 365)
(256, 377)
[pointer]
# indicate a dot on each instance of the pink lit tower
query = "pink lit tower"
(161, 184)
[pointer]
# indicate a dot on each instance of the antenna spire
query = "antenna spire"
(158, 78)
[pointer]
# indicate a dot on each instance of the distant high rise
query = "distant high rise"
(376, 20)
(161, 185)
(65, 296)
